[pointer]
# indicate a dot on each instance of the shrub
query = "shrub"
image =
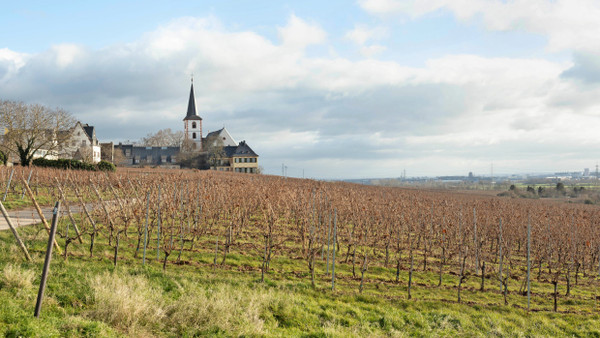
(63, 163)
(3, 157)
(106, 166)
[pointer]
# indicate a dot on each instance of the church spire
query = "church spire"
(191, 111)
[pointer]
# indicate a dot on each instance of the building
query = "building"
(220, 137)
(217, 151)
(79, 142)
(82, 145)
(192, 124)
(240, 159)
(165, 157)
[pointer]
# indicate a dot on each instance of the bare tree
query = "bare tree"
(33, 130)
(84, 154)
(215, 152)
(163, 138)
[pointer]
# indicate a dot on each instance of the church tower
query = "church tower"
(193, 123)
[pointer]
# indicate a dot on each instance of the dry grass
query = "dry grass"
(17, 278)
(129, 304)
(134, 306)
(238, 311)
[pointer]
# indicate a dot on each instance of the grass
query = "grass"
(88, 296)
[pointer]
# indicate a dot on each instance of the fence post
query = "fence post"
(38, 304)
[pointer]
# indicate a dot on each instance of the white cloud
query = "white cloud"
(568, 24)
(363, 35)
(66, 54)
(325, 112)
(10, 63)
(299, 33)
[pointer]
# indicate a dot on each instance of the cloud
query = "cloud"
(362, 35)
(298, 33)
(586, 69)
(333, 116)
(10, 63)
(568, 24)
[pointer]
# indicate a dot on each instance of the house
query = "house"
(240, 159)
(82, 145)
(79, 142)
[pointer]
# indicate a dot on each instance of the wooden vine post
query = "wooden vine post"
(528, 261)
(38, 304)
(14, 231)
(146, 227)
(39, 211)
(333, 258)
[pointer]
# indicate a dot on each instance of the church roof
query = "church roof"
(214, 133)
(223, 134)
(191, 111)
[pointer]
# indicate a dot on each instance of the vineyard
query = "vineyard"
(407, 250)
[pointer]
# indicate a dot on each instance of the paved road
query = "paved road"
(29, 216)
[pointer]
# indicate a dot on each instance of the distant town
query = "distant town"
(500, 181)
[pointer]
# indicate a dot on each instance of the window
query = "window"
(194, 126)
(83, 142)
(194, 135)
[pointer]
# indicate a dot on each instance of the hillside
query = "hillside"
(249, 255)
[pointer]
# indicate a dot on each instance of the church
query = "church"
(217, 151)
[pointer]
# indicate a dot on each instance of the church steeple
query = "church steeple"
(191, 111)
(192, 123)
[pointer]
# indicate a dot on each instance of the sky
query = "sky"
(331, 89)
